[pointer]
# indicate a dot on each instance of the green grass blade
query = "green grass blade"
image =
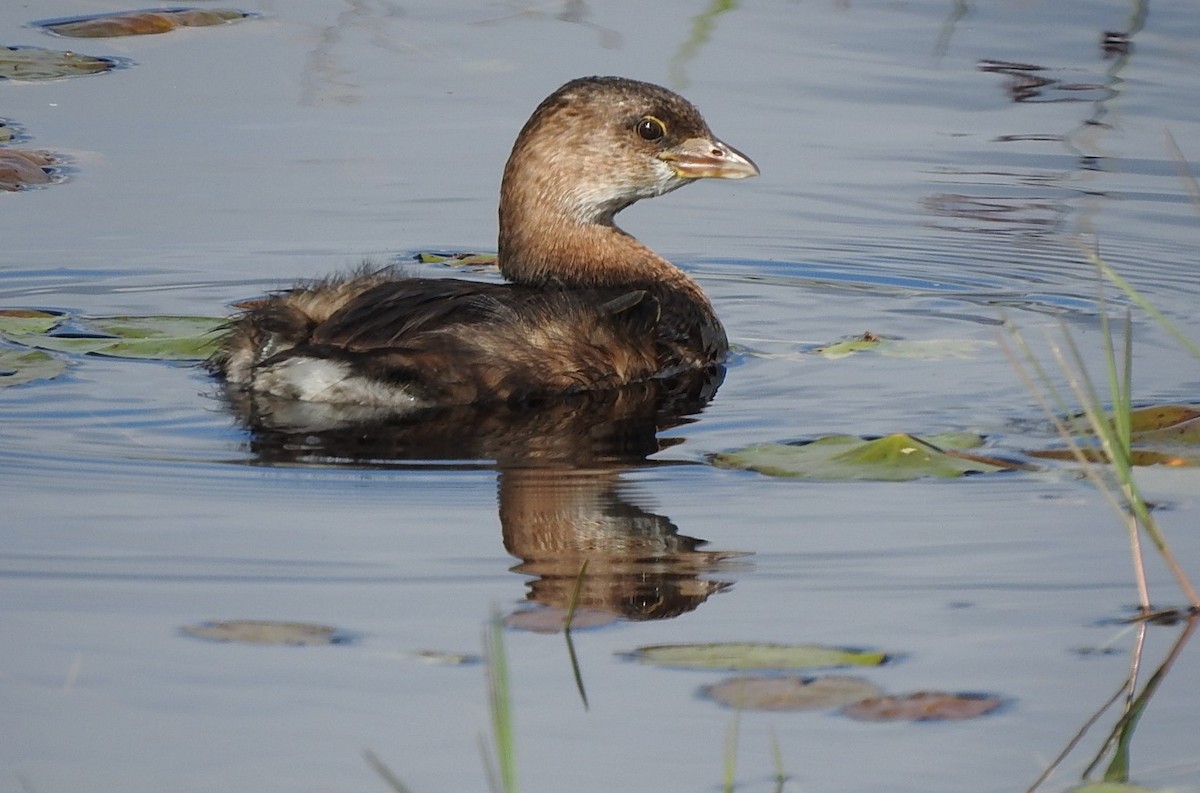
(501, 705)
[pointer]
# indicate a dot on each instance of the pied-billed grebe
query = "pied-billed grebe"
(588, 307)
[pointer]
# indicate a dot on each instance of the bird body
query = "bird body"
(587, 307)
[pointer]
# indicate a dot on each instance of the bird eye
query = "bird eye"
(651, 129)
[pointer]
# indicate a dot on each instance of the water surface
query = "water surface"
(927, 169)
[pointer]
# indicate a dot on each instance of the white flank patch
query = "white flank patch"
(323, 380)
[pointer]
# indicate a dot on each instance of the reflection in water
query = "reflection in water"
(562, 500)
(1116, 747)
(1034, 203)
(639, 565)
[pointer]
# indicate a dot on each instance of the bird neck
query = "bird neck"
(554, 250)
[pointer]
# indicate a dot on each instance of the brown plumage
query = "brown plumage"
(588, 308)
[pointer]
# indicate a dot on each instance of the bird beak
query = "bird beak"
(708, 158)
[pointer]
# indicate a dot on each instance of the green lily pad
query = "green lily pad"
(895, 458)
(25, 366)
(32, 63)
(1114, 787)
(139, 23)
(923, 706)
(753, 655)
(464, 259)
(267, 632)
(21, 321)
(790, 692)
(160, 338)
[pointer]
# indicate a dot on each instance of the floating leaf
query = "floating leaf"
(923, 706)
(1113, 787)
(19, 321)
(25, 366)
(925, 349)
(267, 632)
(139, 23)
(845, 457)
(1160, 435)
(21, 168)
(479, 260)
(790, 692)
(31, 63)
(1152, 421)
(161, 338)
(752, 655)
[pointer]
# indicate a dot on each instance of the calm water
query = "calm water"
(926, 167)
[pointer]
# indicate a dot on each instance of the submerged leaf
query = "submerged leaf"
(139, 23)
(790, 692)
(753, 655)
(925, 349)
(845, 457)
(267, 632)
(923, 706)
(840, 349)
(25, 366)
(31, 63)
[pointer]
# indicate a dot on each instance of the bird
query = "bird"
(585, 308)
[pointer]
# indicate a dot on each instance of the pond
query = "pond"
(929, 170)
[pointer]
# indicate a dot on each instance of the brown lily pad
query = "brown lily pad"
(790, 692)
(34, 63)
(140, 23)
(267, 632)
(21, 168)
(923, 706)
(1159, 435)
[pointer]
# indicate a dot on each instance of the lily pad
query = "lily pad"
(25, 366)
(479, 260)
(1160, 435)
(1114, 787)
(33, 63)
(894, 458)
(20, 168)
(790, 692)
(139, 23)
(753, 655)
(267, 632)
(925, 349)
(923, 706)
(160, 338)
(21, 321)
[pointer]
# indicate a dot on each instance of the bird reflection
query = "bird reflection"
(562, 498)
